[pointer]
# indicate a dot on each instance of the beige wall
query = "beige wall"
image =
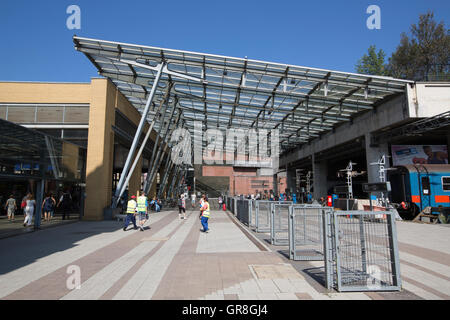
(100, 149)
(23, 92)
(102, 97)
(70, 160)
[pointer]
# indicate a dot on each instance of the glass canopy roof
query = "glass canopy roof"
(241, 93)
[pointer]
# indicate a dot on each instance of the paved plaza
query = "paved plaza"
(173, 260)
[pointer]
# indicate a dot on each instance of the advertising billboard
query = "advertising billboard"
(424, 154)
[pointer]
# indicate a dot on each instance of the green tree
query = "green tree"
(425, 55)
(372, 63)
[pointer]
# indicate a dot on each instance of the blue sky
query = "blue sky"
(37, 46)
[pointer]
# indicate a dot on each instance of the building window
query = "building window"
(446, 183)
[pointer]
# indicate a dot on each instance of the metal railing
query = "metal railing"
(359, 248)
(242, 210)
(361, 251)
(279, 224)
(263, 214)
(251, 213)
(306, 232)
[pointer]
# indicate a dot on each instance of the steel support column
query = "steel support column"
(174, 179)
(141, 149)
(168, 166)
(160, 68)
(155, 165)
(155, 148)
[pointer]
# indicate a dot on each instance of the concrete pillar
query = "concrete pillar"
(373, 154)
(291, 180)
(100, 149)
(320, 173)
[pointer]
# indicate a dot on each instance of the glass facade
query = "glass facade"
(40, 164)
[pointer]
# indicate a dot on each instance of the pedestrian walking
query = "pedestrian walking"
(182, 207)
(29, 210)
(193, 200)
(142, 206)
(131, 213)
(48, 206)
(11, 207)
(205, 214)
(65, 203)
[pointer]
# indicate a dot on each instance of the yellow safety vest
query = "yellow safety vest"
(131, 207)
(206, 211)
(141, 204)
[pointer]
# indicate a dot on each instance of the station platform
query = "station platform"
(172, 260)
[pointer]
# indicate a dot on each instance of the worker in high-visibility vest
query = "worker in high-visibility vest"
(142, 206)
(205, 214)
(131, 213)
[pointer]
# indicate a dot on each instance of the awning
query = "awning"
(227, 92)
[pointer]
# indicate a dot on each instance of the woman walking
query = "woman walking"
(205, 214)
(48, 205)
(29, 209)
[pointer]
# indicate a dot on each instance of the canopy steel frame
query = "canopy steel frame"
(141, 149)
(155, 166)
(156, 147)
(136, 137)
(160, 155)
(160, 69)
(226, 91)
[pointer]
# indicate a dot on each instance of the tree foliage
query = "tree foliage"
(424, 55)
(372, 63)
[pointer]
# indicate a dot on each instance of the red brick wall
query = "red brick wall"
(240, 178)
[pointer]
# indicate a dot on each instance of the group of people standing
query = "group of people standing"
(48, 207)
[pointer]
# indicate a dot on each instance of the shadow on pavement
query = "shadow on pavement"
(19, 251)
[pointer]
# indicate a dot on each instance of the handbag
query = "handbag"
(23, 204)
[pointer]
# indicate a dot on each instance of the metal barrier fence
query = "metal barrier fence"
(242, 213)
(361, 251)
(231, 203)
(251, 213)
(306, 232)
(279, 224)
(262, 213)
